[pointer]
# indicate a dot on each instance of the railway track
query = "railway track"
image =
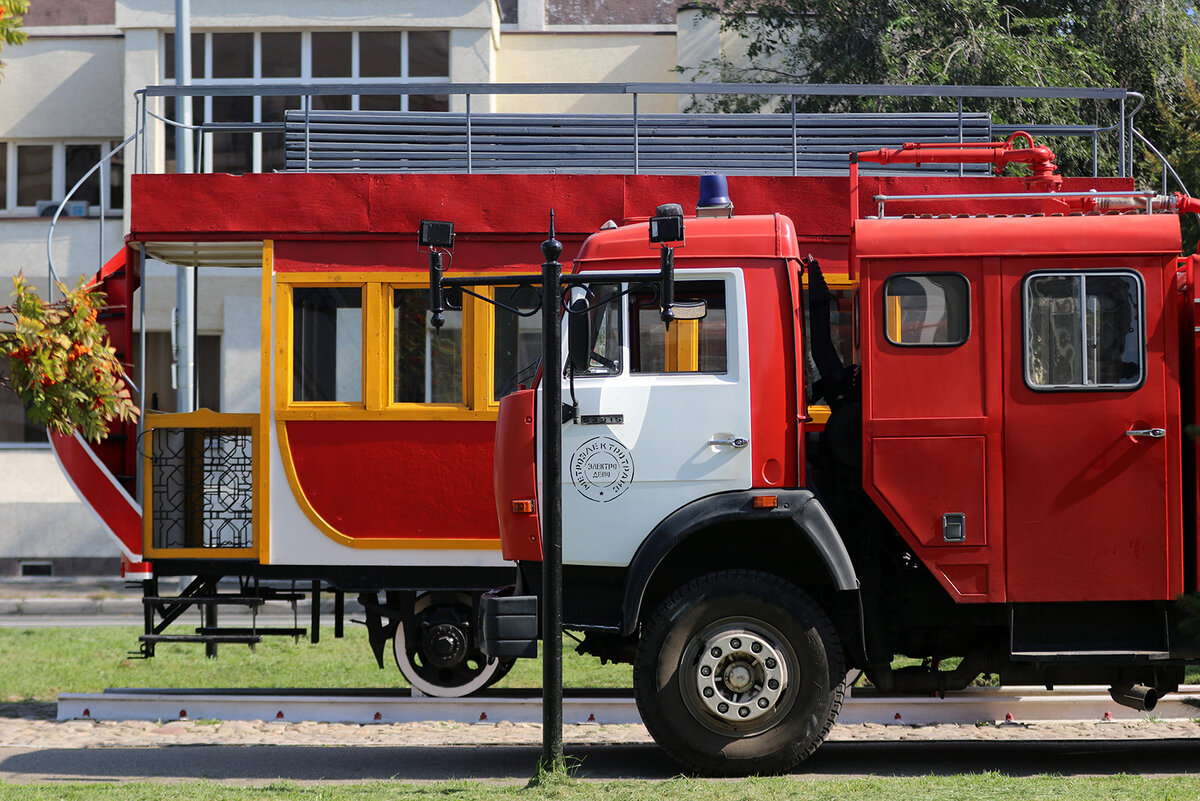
(1023, 704)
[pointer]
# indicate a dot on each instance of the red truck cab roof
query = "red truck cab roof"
(712, 238)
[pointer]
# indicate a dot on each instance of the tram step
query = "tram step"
(244, 632)
(244, 639)
(282, 596)
(194, 600)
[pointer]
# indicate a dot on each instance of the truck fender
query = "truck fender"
(801, 507)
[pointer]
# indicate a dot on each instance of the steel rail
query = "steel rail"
(979, 704)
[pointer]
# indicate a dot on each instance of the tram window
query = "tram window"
(327, 344)
(1083, 331)
(428, 361)
(688, 346)
(518, 339)
(927, 309)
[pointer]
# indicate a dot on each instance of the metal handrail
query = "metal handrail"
(308, 90)
(881, 200)
(1166, 164)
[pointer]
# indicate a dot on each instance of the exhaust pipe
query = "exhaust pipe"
(1135, 696)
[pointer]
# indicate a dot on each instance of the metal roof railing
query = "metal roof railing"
(1123, 130)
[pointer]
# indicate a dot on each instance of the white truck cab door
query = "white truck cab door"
(663, 416)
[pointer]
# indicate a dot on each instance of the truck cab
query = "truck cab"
(988, 480)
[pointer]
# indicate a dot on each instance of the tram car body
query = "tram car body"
(365, 466)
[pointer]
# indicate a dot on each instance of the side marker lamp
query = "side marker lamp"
(522, 507)
(766, 501)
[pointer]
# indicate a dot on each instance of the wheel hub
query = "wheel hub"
(740, 676)
(444, 645)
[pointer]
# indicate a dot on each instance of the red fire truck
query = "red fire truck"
(1002, 483)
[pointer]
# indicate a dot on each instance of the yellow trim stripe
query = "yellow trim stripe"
(263, 462)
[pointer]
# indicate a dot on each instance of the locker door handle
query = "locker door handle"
(1156, 433)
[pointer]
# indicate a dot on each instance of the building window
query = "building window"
(316, 57)
(34, 174)
(16, 429)
(927, 309)
(1084, 331)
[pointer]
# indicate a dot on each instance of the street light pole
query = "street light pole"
(552, 601)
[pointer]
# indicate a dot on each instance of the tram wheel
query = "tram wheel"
(437, 652)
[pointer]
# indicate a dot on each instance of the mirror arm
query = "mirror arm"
(437, 299)
(667, 276)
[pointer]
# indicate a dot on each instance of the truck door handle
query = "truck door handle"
(735, 442)
(1157, 433)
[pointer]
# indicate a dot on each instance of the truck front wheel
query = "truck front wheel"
(737, 673)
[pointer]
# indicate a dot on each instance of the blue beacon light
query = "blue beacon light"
(714, 197)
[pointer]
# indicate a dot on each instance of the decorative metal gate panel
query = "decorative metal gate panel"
(200, 482)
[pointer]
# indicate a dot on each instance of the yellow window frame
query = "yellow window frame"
(286, 406)
(378, 364)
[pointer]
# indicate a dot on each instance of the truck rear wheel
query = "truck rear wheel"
(737, 673)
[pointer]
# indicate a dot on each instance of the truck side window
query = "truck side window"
(428, 362)
(927, 309)
(1083, 330)
(689, 346)
(327, 344)
(605, 300)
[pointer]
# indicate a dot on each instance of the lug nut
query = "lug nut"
(773, 684)
(744, 712)
(771, 663)
(735, 643)
(716, 652)
(708, 692)
(756, 647)
(722, 707)
(705, 670)
(763, 703)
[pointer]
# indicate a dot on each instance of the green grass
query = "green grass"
(976, 787)
(40, 663)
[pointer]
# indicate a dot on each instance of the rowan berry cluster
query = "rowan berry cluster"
(60, 362)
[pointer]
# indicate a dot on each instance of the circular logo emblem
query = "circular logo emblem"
(601, 469)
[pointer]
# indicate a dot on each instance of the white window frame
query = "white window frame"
(304, 78)
(58, 173)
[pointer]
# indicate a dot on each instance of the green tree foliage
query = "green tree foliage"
(10, 22)
(1147, 46)
(60, 362)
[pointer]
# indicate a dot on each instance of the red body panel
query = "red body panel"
(371, 480)
(341, 206)
(1060, 506)
(516, 476)
(1094, 515)
(931, 432)
(100, 489)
